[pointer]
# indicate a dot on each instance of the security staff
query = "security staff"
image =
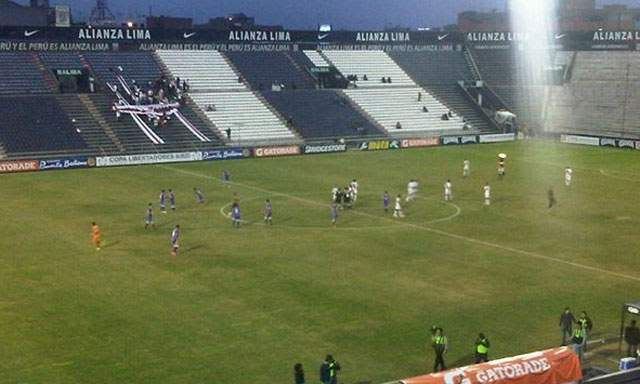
(334, 367)
(439, 342)
(482, 349)
(578, 342)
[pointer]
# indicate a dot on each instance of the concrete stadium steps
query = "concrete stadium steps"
(138, 66)
(94, 130)
(602, 98)
(387, 106)
(374, 64)
(439, 73)
(323, 114)
(316, 58)
(204, 70)
(249, 119)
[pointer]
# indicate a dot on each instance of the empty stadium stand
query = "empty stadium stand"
(61, 60)
(138, 66)
(20, 74)
(226, 101)
(602, 97)
(323, 114)
(439, 73)
(262, 69)
(391, 103)
(375, 65)
(316, 58)
(32, 125)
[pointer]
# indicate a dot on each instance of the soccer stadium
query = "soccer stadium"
(239, 199)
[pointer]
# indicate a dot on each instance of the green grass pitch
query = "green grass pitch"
(243, 305)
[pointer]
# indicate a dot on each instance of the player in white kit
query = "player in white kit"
(412, 190)
(487, 194)
(397, 211)
(568, 174)
(466, 168)
(448, 191)
(354, 191)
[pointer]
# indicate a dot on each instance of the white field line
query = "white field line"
(487, 244)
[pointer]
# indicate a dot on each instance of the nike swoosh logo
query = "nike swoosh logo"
(440, 38)
(558, 37)
(322, 37)
(30, 33)
(188, 35)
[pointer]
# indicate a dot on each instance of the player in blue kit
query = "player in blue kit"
(163, 202)
(199, 195)
(386, 200)
(268, 212)
(172, 200)
(334, 213)
(175, 240)
(235, 215)
(148, 219)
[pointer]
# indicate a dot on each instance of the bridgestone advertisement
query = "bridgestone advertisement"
(114, 161)
(324, 148)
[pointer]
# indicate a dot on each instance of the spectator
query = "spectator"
(450, 114)
(566, 324)
(420, 96)
(365, 78)
(424, 109)
(398, 125)
(632, 338)
(240, 80)
(445, 117)
(384, 80)
(92, 84)
(228, 132)
(298, 374)
(389, 80)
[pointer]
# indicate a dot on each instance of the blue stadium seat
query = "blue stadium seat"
(36, 124)
(262, 69)
(139, 66)
(19, 74)
(318, 114)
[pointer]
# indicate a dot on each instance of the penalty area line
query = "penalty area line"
(451, 235)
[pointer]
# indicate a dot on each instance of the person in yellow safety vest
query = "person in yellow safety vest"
(482, 349)
(586, 324)
(577, 340)
(439, 342)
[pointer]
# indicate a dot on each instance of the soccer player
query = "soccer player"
(226, 177)
(268, 212)
(199, 195)
(386, 199)
(95, 235)
(501, 161)
(339, 198)
(551, 197)
(235, 215)
(175, 240)
(448, 191)
(397, 212)
(163, 202)
(568, 174)
(334, 213)
(347, 197)
(412, 190)
(148, 220)
(487, 194)
(466, 168)
(334, 194)
(354, 190)
(172, 200)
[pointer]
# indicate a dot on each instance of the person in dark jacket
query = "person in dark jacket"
(324, 370)
(334, 367)
(298, 374)
(632, 338)
(566, 325)
(482, 349)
